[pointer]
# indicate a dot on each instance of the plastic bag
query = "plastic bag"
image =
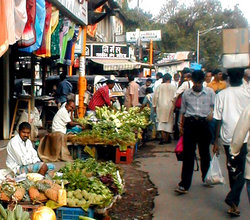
(214, 175)
(179, 149)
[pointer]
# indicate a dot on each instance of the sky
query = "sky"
(153, 8)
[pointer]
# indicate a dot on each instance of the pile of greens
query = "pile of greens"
(113, 127)
(87, 177)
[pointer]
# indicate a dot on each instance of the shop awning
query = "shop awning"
(117, 64)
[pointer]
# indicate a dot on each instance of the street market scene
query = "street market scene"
(124, 109)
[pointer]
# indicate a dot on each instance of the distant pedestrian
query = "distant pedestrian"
(162, 103)
(176, 80)
(217, 84)
(158, 81)
(229, 104)
(196, 110)
(241, 131)
(184, 84)
(64, 87)
(208, 78)
(148, 101)
(132, 93)
(142, 90)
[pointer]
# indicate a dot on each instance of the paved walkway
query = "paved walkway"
(200, 203)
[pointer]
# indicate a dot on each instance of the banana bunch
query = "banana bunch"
(15, 214)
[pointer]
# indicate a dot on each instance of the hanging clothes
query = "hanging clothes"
(21, 17)
(55, 42)
(29, 34)
(10, 20)
(39, 26)
(42, 49)
(53, 24)
(4, 43)
(63, 32)
(70, 47)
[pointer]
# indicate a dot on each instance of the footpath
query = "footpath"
(200, 202)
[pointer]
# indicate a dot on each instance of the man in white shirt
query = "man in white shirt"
(63, 117)
(21, 156)
(176, 80)
(229, 104)
(158, 81)
(240, 133)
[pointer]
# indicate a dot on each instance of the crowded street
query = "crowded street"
(124, 109)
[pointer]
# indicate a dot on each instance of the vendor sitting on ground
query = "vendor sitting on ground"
(22, 157)
(63, 117)
(101, 97)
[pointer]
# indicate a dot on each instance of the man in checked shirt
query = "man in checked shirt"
(196, 110)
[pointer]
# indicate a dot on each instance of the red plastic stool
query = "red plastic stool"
(124, 157)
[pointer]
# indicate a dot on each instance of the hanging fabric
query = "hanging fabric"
(70, 47)
(53, 24)
(29, 34)
(21, 17)
(39, 26)
(55, 40)
(66, 34)
(47, 27)
(4, 43)
(10, 20)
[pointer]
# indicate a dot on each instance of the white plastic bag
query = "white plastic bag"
(214, 175)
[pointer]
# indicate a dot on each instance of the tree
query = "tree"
(182, 24)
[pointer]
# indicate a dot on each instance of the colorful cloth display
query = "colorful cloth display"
(70, 47)
(55, 40)
(29, 34)
(39, 26)
(21, 17)
(46, 32)
(4, 43)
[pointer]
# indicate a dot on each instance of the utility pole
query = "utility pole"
(151, 49)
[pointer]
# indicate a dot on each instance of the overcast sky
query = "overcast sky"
(154, 6)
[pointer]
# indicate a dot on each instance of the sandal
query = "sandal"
(234, 211)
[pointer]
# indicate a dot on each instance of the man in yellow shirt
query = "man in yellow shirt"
(217, 84)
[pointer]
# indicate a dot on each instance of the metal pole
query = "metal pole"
(198, 47)
(150, 56)
(82, 82)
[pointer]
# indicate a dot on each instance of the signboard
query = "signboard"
(75, 10)
(118, 51)
(110, 51)
(145, 36)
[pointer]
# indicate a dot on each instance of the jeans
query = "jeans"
(236, 182)
(196, 132)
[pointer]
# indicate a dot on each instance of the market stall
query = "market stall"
(89, 185)
(113, 128)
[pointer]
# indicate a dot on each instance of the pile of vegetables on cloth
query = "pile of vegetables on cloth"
(91, 183)
(31, 191)
(113, 127)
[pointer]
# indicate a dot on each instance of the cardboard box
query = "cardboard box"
(235, 41)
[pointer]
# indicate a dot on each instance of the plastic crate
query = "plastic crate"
(67, 213)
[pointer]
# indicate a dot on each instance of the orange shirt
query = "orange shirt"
(217, 86)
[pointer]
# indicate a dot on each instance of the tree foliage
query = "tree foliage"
(179, 24)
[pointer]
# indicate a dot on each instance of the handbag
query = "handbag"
(178, 102)
(179, 149)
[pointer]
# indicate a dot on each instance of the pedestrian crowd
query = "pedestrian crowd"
(201, 108)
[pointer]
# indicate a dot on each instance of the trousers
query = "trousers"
(236, 182)
(196, 132)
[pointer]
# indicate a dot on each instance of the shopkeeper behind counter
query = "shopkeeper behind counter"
(22, 157)
(101, 97)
